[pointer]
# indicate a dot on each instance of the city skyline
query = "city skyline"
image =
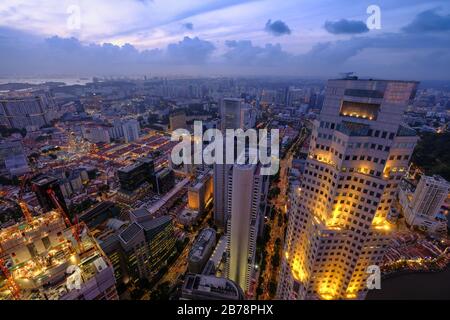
(258, 153)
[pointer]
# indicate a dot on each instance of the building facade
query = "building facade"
(338, 217)
(247, 187)
(421, 204)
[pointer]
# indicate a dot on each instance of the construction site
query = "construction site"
(47, 257)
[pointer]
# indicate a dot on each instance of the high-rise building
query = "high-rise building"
(146, 246)
(338, 222)
(429, 195)
(231, 113)
(200, 193)
(136, 179)
(164, 180)
(177, 120)
(41, 185)
(231, 118)
(421, 204)
(131, 130)
(221, 173)
(133, 176)
(247, 190)
(13, 159)
(28, 110)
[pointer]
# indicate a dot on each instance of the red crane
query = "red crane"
(10, 282)
(75, 229)
(23, 206)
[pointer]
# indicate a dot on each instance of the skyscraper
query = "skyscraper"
(177, 120)
(247, 190)
(338, 223)
(231, 114)
(234, 115)
(41, 185)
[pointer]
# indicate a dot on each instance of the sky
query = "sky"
(410, 39)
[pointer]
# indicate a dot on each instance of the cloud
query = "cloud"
(243, 52)
(428, 21)
(188, 25)
(22, 54)
(387, 55)
(345, 26)
(190, 50)
(277, 28)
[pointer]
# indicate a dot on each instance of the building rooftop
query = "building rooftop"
(130, 232)
(210, 287)
(205, 239)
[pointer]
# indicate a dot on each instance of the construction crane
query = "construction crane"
(10, 282)
(62, 211)
(23, 206)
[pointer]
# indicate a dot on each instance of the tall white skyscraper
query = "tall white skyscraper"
(131, 130)
(338, 223)
(231, 118)
(247, 190)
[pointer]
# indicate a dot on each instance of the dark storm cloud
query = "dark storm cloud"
(429, 21)
(277, 28)
(344, 26)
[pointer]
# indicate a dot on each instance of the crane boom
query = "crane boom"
(23, 206)
(75, 231)
(10, 282)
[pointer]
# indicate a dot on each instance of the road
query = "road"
(279, 203)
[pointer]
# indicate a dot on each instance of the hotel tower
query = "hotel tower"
(339, 216)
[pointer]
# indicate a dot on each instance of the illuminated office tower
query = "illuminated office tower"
(247, 189)
(338, 222)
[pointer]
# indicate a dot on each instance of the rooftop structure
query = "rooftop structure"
(201, 250)
(202, 287)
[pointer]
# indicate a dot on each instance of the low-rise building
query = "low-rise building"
(201, 250)
(203, 287)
